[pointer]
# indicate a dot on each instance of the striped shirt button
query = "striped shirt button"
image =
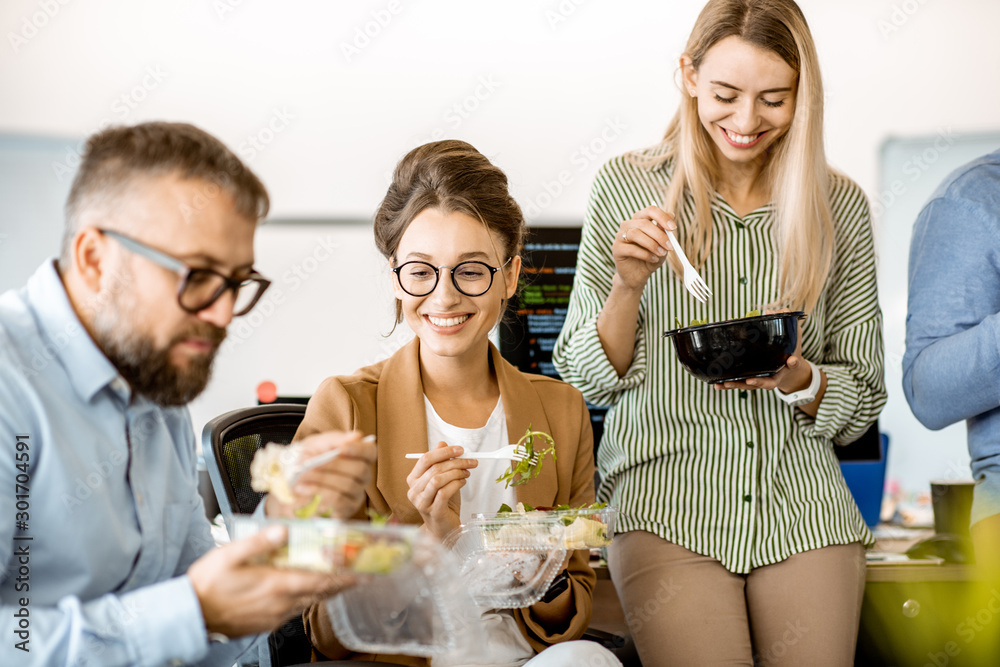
(750, 444)
(747, 498)
(743, 280)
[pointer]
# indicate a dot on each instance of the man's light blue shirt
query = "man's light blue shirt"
(100, 516)
(951, 369)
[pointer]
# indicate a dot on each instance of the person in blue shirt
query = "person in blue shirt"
(950, 369)
(106, 557)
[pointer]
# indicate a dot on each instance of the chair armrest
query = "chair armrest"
(608, 640)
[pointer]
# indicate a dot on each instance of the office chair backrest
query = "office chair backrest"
(230, 442)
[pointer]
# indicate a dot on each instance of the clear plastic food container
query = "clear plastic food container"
(423, 608)
(513, 571)
(581, 528)
(329, 545)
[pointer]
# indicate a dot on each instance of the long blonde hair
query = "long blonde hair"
(796, 170)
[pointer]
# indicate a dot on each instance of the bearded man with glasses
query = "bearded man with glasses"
(110, 534)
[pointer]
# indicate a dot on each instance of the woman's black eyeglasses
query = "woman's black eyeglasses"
(200, 288)
(469, 278)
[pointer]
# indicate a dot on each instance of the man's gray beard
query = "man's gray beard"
(148, 370)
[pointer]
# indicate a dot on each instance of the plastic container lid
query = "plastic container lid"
(582, 528)
(511, 558)
(507, 573)
(423, 608)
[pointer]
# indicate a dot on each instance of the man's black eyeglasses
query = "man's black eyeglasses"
(200, 288)
(469, 278)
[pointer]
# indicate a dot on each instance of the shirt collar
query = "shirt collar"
(88, 369)
(754, 215)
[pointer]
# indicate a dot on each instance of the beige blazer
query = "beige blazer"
(387, 400)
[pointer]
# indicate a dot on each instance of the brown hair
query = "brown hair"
(115, 157)
(796, 169)
(454, 177)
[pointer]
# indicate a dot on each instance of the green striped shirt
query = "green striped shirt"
(738, 476)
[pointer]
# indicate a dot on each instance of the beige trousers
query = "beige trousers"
(686, 609)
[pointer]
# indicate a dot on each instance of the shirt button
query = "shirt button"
(743, 394)
(740, 225)
(750, 444)
(743, 280)
(747, 498)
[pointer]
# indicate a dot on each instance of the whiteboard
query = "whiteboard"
(35, 177)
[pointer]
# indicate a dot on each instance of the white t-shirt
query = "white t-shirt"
(482, 493)
(505, 645)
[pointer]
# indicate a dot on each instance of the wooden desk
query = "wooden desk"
(927, 614)
(932, 615)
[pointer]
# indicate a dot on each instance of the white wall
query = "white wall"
(541, 87)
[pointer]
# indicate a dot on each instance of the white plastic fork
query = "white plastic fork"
(309, 464)
(512, 452)
(693, 282)
(299, 469)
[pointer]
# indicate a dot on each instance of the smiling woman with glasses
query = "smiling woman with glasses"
(469, 278)
(199, 288)
(449, 392)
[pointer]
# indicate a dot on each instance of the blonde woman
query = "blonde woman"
(742, 544)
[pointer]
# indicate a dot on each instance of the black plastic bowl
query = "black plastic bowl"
(750, 347)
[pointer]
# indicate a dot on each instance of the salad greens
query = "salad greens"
(695, 323)
(580, 527)
(309, 510)
(525, 471)
(378, 519)
(558, 508)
